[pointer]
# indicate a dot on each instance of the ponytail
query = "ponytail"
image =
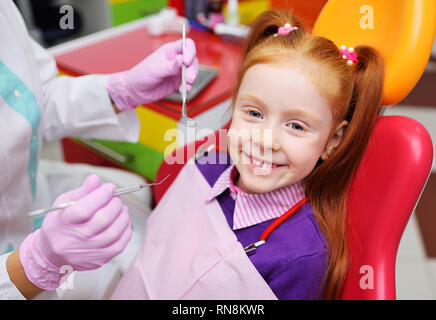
(267, 24)
(328, 185)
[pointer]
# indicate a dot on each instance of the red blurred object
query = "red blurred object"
(179, 5)
(384, 192)
(75, 152)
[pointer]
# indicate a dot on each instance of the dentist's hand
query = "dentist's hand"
(85, 235)
(156, 77)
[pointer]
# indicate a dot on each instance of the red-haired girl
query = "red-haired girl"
(270, 223)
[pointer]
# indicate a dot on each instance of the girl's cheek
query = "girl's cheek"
(238, 124)
(237, 135)
(305, 156)
(233, 144)
(299, 148)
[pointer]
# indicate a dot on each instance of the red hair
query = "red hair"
(354, 93)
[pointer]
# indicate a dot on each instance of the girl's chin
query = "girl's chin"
(252, 183)
(250, 187)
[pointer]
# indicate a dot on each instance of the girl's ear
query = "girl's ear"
(335, 140)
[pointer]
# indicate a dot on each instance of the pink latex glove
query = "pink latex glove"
(155, 77)
(83, 236)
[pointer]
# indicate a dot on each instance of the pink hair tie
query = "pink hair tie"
(348, 54)
(285, 30)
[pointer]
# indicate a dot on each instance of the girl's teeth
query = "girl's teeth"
(263, 164)
(257, 163)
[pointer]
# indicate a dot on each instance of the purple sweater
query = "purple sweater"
(294, 258)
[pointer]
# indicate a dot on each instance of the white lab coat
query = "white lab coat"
(51, 107)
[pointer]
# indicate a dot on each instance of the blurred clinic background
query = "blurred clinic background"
(103, 36)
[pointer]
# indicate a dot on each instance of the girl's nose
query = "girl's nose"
(268, 141)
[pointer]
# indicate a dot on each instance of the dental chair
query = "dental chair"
(398, 159)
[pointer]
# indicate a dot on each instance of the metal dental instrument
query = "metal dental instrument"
(119, 192)
(185, 122)
(184, 93)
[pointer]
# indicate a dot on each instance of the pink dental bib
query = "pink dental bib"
(190, 252)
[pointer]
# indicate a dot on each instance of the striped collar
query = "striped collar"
(254, 208)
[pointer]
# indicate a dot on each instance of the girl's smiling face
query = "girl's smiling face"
(281, 127)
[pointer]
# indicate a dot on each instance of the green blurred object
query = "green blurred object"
(132, 10)
(139, 157)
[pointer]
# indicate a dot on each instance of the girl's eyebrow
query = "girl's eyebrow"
(305, 114)
(253, 98)
(298, 112)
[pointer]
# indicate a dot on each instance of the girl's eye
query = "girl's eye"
(296, 126)
(254, 113)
